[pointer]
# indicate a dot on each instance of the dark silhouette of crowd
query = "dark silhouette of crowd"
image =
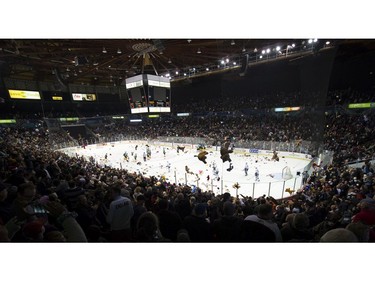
(47, 196)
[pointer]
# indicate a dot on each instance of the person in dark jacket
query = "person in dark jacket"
(227, 228)
(196, 224)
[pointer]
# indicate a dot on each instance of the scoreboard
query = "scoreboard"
(148, 93)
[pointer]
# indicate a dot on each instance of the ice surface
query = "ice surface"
(270, 179)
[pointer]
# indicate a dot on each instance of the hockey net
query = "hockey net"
(286, 173)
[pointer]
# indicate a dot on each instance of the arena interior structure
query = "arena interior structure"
(270, 100)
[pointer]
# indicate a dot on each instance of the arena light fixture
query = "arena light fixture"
(199, 51)
(261, 57)
(104, 51)
(207, 69)
(119, 51)
(227, 60)
(263, 52)
(315, 40)
(293, 45)
(278, 48)
(310, 41)
(327, 43)
(233, 43)
(268, 50)
(222, 62)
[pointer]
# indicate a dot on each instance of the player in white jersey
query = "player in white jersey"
(256, 174)
(246, 169)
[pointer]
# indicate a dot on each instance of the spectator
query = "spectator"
(119, 216)
(148, 229)
(227, 228)
(339, 235)
(264, 217)
(196, 224)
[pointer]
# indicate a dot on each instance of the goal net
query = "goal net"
(286, 173)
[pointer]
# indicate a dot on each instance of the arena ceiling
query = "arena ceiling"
(110, 61)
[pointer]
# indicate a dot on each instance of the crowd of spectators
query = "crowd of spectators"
(243, 128)
(48, 196)
(270, 100)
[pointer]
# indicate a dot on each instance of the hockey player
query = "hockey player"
(168, 167)
(126, 156)
(246, 169)
(256, 174)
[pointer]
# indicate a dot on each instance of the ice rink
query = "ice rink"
(173, 166)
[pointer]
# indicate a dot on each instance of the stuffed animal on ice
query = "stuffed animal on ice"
(182, 148)
(187, 169)
(289, 190)
(275, 156)
(224, 152)
(202, 156)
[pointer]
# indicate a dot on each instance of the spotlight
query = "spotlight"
(119, 51)
(199, 51)
(278, 48)
(327, 43)
(233, 43)
(104, 51)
